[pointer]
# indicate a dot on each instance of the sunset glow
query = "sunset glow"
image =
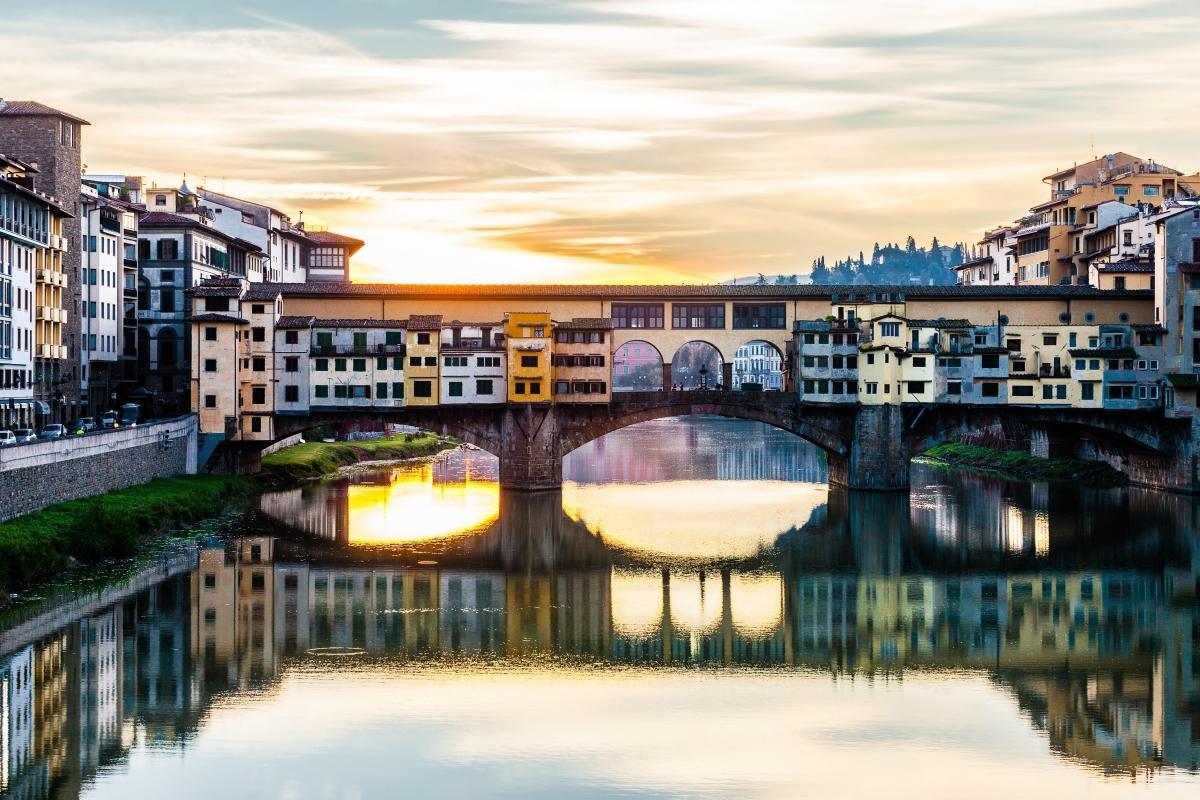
(577, 141)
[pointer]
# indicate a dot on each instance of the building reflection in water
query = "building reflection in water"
(1080, 605)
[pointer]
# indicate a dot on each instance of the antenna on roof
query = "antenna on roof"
(1093, 143)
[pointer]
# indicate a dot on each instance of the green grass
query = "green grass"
(1023, 466)
(116, 524)
(315, 459)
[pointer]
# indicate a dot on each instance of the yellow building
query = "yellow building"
(582, 360)
(421, 375)
(528, 336)
(219, 337)
(882, 347)
(1039, 363)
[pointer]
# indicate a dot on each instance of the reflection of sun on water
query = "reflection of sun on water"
(693, 519)
(755, 602)
(413, 508)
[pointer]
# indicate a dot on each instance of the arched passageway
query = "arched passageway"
(637, 367)
(758, 364)
(697, 365)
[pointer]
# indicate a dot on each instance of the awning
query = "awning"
(41, 407)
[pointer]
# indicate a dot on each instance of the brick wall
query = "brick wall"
(33, 476)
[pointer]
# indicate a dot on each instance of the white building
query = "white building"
(268, 228)
(24, 230)
(473, 361)
(101, 283)
(356, 363)
(16, 716)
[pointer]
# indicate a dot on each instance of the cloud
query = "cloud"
(661, 139)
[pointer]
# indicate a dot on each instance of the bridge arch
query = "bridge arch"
(638, 366)
(697, 364)
(827, 429)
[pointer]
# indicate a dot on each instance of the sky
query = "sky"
(674, 141)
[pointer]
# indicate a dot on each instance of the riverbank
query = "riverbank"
(317, 459)
(1019, 465)
(35, 546)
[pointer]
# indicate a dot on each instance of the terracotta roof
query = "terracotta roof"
(1185, 380)
(165, 219)
(974, 262)
(425, 322)
(1104, 352)
(669, 291)
(214, 291)
(213, 317)
(13, 186)
(940, 323)
(984, 350)
(294, 323)
(586, 323)
(32, 108)
(1125, 266)
(263, 291)
(331, 238)
(1149, 327)
(393, 324)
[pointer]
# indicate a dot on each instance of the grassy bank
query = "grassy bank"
(37, 545)
(1019, 465)
(314, 459)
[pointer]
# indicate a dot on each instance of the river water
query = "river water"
(696, 614)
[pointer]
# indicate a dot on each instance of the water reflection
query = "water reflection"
(1021, 636)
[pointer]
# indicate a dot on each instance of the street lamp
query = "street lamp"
(703, 377)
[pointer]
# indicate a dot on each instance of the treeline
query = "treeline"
(893, 263)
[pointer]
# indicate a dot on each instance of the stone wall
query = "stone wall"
(33, 476)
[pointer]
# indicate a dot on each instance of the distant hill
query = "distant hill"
(887, 264)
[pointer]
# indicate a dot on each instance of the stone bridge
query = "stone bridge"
(867, 447)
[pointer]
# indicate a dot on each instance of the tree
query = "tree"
(875, 254)
(910, 246)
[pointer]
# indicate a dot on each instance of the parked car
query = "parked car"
(7, 438)
(55, 431)
(24, 435)
(86, 424)
(108, 420)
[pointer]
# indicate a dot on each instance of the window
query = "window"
(1148, 191)
(321, 365)
(519, 387)
(339, 365)
(291, 394)
(210, 401)
(771, 316)
(1049, 338)
(889, 329)
(697, 315)
(1017, 366)
(872, 388)
(258, 334)
(1121, 189)
(358, 392)
(454, 389)
(257, 308)
(398, 390)
(414, 361)
(393, 338)
(325, 338)
(381, 362)
(1021, 391)
(381, 390)
(210, 334)
(1047, 392)
(916, 387)
(954, 387)
(291, 337)
(637, 315)
(487, 361)
(360, 365)
(1120, 391)
(258, 395)
(562, 387)
(291, 364)
(216, 304)
(321, 391)
(210, 365)
(990, 389)
(256, 427)
(454, 361)
(339, 391)
(918, 361)
(989, 361)
(535, 387)
(1087, 391)
(529, 361)
(166, 300)
(422, 388)
(483, 386)
(431, 361)
(360, 339)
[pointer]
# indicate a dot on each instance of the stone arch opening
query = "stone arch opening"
(758, 364)
(637, 367)
(697, 365)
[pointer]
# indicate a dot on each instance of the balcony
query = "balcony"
(358, 350)
(51, 351)
(51, 314)
(51, 277)
(28, 232)
(58, 243)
